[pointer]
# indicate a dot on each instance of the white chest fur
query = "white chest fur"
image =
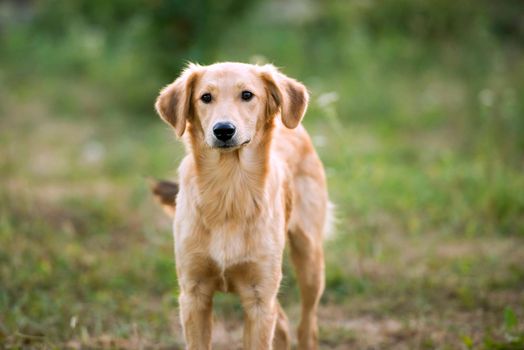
(232, 218)
(232, 244)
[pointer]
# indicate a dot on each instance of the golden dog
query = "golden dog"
(251, 178)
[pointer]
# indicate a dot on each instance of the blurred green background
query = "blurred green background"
(417, 111)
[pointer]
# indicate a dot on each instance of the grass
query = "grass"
(419, 260)
(422, 144)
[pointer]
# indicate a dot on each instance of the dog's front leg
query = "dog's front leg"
(260, 320)
(196, 301)
(258, 294)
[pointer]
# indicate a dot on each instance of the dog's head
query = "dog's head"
(227, 105)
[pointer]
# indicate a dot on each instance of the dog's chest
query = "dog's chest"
(231, 244)
(231, 219)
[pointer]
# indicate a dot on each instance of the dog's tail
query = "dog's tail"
(330, 222)
(165, 193)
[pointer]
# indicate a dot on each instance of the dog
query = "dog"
(250, 181)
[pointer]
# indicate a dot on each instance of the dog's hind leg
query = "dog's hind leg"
(281, 341)
(308, 258)
(305, 235)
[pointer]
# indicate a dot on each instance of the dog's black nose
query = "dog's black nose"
(224, 131)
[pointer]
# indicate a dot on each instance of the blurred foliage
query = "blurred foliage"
(167, 30)
(417, 112)
(127, 43)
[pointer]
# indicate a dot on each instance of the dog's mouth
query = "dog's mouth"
(227, 146)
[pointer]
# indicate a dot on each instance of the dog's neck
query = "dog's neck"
(232, 184)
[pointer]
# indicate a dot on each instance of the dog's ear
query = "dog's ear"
(174, 103)
(286, 94)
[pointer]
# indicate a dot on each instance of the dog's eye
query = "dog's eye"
(247, 95)
(206, 98)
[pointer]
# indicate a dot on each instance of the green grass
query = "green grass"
(428, 251)
(422, 144)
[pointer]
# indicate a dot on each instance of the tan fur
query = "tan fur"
(235, 207)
